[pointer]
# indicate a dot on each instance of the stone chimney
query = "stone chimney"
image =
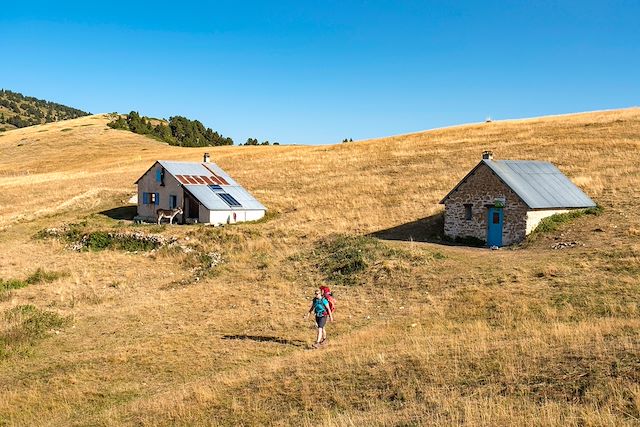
(206, 158)
(487, 155)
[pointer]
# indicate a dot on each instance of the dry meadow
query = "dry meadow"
(425, 334)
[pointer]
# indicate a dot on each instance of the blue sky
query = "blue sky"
(315, 72)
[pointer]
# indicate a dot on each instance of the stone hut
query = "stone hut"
(501, 201)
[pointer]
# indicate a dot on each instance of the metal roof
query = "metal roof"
(197, 179)
(540, 185)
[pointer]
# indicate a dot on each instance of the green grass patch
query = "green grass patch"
(10, 284)
(553, 222)
(25, 325)
(37, 277)
(43, 276)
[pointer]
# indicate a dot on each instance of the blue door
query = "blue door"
(494, 230)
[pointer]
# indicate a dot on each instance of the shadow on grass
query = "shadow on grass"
(122, 212)
(262, 338)
(429, 229)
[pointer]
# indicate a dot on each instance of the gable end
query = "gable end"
(467, 176)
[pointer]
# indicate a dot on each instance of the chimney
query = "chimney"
(206, 158)
(487, 155)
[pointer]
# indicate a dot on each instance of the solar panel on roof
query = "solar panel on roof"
(215, 188)
(229, 199)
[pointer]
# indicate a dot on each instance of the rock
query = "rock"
(565, 245)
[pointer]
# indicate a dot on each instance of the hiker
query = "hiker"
(326, 292)
(320, 307)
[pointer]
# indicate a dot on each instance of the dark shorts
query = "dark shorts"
(321, 321)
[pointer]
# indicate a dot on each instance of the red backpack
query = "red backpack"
(330, 299)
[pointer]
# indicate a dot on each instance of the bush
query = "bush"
(552, 222)
(342, 258)
(98, 241)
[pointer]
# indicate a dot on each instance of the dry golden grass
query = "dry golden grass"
(431, 335)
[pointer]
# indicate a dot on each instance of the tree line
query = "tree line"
(254, 141)
(29, 111)
(177, 131)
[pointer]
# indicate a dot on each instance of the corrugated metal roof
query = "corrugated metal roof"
(540, 185)
(196, 178)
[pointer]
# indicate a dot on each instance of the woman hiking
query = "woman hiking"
(320, 306)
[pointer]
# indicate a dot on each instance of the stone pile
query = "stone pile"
(565, 245)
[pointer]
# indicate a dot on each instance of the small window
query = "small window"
(173, 201)
(496, 218)
(160, 176)
(150, 198)
(468, 212)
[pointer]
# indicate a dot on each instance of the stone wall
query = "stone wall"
(480, 189)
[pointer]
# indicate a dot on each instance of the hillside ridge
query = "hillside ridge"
(102, 329)
(18, 111)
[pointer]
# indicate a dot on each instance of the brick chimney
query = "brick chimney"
(487, 155)
(206, 158)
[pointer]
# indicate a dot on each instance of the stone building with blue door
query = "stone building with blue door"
(501, 201)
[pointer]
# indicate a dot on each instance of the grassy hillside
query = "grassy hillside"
(17, 111)
(424, 333)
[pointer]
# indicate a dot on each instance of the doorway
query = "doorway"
(191, 208)
(494, 228)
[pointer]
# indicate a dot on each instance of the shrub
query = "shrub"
(98, 240)
(342, 258)
(552, 222)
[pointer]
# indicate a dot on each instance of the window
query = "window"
(216, 188)
(468, 213)
(173, 201)
(229, 200)
(150, 198)
(496, 217)
(160, 176)
(155, 198)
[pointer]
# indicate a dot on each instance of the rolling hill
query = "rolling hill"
(17, 111)
(425, 333)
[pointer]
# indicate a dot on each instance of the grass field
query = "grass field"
(425, 333)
